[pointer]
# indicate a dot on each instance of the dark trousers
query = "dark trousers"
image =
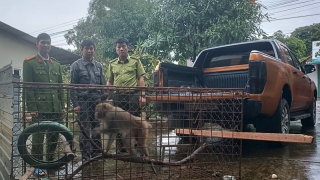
(88, 122)
(128, 102)
(52, 138)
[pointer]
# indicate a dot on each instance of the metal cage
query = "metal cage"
(185, 127)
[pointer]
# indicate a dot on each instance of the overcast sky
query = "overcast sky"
(57, 16)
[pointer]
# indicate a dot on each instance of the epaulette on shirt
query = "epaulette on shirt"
(54, 59)
(133, 57)
(113, 60)
(29, 58)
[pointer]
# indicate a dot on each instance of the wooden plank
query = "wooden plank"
(226, 68)
(197, 97)
(296, 138)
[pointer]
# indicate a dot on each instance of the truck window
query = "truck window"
(293, 61)
(296, 62)
(286, 52)
(232, 55)
(230, 60)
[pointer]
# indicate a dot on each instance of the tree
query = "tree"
(109, 20)
(190, 26)
(297, 46)
(308, 34)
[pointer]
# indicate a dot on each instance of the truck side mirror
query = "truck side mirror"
(309, 68)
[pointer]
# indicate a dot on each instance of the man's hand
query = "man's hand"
(76, 109)
(142, 101)
(64, 111)
(34, 114)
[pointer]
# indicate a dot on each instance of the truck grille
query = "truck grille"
(237, 79)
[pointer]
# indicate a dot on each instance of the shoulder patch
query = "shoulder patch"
(54, 60)
(133, 57)
(114, 60)
(29, 58)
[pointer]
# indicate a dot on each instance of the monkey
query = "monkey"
(114, 120)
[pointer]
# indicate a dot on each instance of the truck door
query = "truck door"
(297, 82)
(307, 94)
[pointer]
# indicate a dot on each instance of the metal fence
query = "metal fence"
(183, 127)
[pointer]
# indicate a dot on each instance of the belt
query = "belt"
(126, 92)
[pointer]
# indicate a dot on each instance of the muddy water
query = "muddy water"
(294, 161)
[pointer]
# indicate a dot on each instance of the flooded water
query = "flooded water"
(295, 161)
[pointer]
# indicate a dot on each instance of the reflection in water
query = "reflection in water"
(171, 146)
(294, 161)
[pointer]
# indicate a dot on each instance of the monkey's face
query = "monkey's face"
(100, 112)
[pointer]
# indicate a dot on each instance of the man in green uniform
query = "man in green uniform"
(127, 71)
(44, 104)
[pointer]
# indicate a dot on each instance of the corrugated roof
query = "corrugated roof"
(63, 56)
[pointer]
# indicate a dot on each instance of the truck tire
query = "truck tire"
(280, 122)
(43, 126)
(311, 121)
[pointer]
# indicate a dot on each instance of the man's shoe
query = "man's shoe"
(121, 151)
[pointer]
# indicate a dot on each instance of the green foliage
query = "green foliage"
(65, 70)
(190, 26)
(149, 63)
(170, 30)
(109, 20)
(297, 46)
(308, 34)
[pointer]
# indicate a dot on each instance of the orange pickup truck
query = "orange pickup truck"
(278, 89)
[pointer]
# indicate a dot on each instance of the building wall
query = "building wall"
(9, 122)
(15, 50)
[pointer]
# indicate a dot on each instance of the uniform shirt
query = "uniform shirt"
(126, 73)
(42, 99)
(45, 60)
(85, 72)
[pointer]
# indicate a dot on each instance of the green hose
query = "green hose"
(42, 127)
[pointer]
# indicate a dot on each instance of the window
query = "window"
(296, 62)
(17, 72)
(286, 51)
(230, 60)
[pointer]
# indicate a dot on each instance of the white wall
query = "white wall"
(14, 49)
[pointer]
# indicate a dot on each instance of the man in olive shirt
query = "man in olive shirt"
(87, 71)
(44, 104)
(127, 71)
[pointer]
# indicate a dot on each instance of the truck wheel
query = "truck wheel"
(311, 121)
(280, 122)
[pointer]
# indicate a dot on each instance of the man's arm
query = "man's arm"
(61, 91)
(29, 92)
(109, 82)
(103, 79)
(110, 76)
(141, 84)
(140, 76)
(74, 80)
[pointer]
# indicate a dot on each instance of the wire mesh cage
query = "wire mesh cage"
(100, 132)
